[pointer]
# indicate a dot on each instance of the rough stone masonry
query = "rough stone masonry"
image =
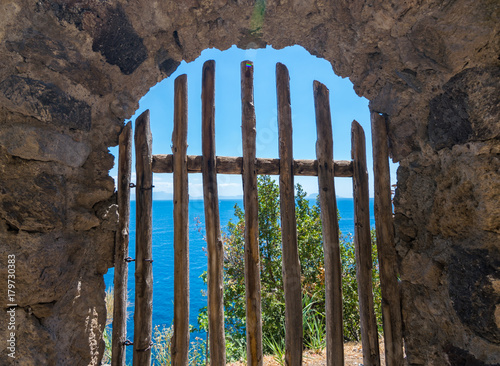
(73, 70)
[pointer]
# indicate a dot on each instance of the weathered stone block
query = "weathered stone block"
(33, 143)
(33, 201)
(472, 274)
(118, 42)
(467, 110)
(46, 102)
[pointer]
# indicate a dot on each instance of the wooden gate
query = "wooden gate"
(324, 167)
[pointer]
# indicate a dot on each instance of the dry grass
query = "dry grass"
(109, 298)
(353, 356)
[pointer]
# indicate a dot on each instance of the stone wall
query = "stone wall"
(72, 71)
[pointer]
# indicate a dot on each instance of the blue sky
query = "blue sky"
(303, 69)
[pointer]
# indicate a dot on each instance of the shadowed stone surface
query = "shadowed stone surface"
(452, 119)
(473, 275)
(460, 357)
(72, 71)
(45, 145)
(166, 64)
(46, 102)
(119, 43)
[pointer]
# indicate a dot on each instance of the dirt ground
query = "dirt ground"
(353, 356)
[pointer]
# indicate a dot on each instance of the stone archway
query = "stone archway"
(72, 71)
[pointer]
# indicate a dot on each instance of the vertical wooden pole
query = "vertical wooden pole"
(362, 244)
(212, 223)
(118, 354)
(391, 303)
(251, 204)
(143, 314)
(291, 265)
(330, 225)
(180, 338)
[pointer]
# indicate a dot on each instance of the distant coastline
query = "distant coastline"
(169, 197)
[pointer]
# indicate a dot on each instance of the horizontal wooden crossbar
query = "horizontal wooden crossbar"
(234, 165)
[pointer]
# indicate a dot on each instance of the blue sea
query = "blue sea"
(163, 255)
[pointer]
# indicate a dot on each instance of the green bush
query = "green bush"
(310, 247)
